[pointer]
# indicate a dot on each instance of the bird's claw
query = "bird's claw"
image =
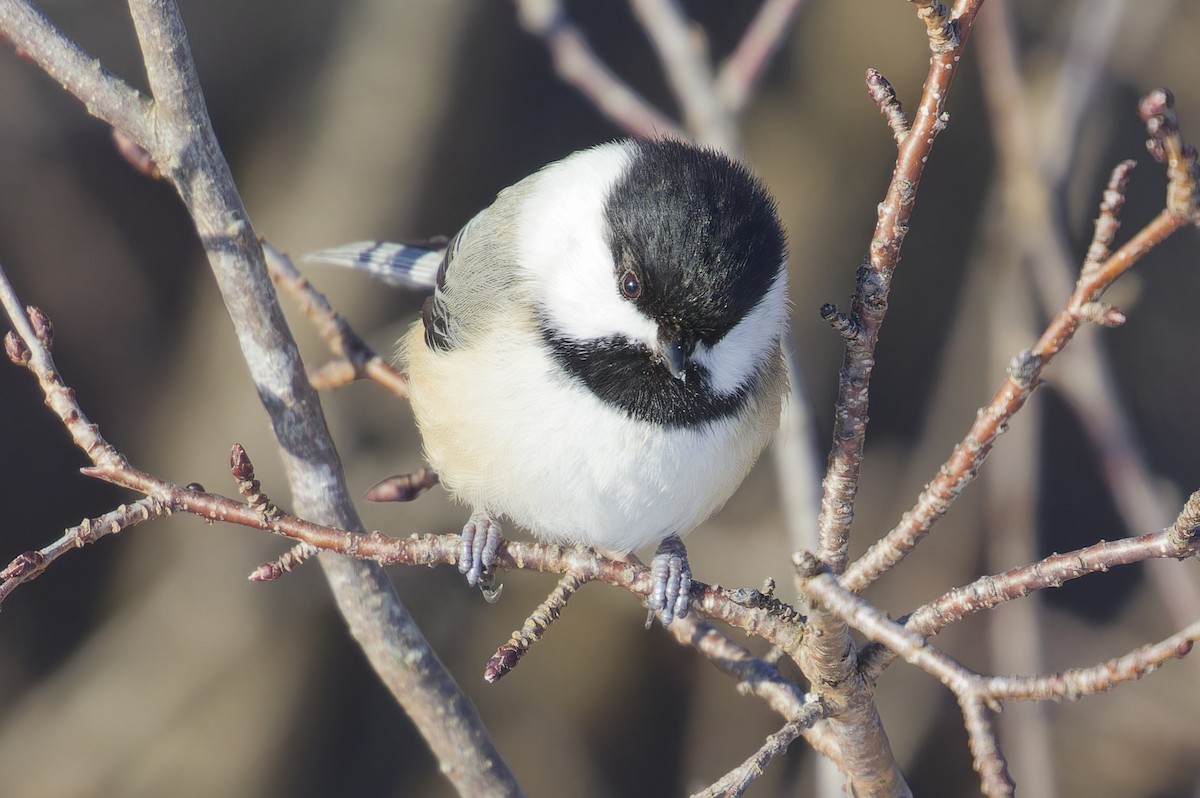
(477, 553)
(672, 588)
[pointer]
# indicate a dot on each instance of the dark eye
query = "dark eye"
(631, 287)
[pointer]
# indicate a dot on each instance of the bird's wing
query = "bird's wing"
(412, 266)
(466, 298)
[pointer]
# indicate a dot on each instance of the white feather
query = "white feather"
(740, 354)
(507, 431)
(562, 246)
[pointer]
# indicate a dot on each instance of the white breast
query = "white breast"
(509, 433)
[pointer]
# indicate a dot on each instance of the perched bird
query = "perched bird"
(600, 361)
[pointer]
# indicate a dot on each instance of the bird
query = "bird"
(600, 362)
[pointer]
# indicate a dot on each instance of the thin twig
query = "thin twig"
(104, 95)
(1175, 542)
(989, 763)
(940, 24)
(738, 780)
(883, 95)
(1109, 221)
(30, 565)
(337, 333)
(971, 688)
(1078, 682)
(869, 304)
(285, 563)
(827, 655)
(755, 676)
(1035, 151)
(535, 626)
(182, 142)
(1024, 375)
(260, 513)
(683, 53)
(739, 74)
(577, 64)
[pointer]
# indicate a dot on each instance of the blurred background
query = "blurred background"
(147, 664)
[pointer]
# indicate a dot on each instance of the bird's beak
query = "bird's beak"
(673, 350)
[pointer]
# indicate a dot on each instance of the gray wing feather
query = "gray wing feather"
(473, 277)
(401, 265)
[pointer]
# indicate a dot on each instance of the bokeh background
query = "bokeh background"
(147, 664)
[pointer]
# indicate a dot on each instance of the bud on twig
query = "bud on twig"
(884, 96)
(1023, 367)
(135, 154)
(42, 326)
(15, 348)
(23, 564)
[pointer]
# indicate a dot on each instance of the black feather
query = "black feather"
(703, 236)
(700, 231)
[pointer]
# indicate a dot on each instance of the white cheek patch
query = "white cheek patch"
(741, 353)
(562, 245)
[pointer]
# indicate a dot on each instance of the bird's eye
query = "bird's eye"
(631, 287)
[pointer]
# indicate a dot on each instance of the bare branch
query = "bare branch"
(535, 626)
(578, 65)
(1026, 368)
(30, 565)
(758, 677)
(105, 96)
(970, 688)
(985, 749)
(827, 656)
(869, 304)
(34, 353)
(941, 26)
(337, 333)
(260, 513)
(285, 563)
(1077, 682)
(737, 781)
(884, 96)
(1157, 110)
(183, 145)
(683, 52)
(740, 73)
(1176, 541)
(755, 675)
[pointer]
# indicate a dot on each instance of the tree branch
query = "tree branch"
(182, 143)
(683, 53)
(104, 95)
(740, 73)
(869, 303)
(578, 65)
(1082, 306)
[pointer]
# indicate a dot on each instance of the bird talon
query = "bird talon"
(491, 591)
(478, 551)
(672, 581)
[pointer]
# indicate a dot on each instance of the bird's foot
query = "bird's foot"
(481, 537)
(672, 582)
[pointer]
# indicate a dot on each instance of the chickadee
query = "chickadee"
(600, 361)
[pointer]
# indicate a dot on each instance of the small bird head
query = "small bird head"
(663, 277)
